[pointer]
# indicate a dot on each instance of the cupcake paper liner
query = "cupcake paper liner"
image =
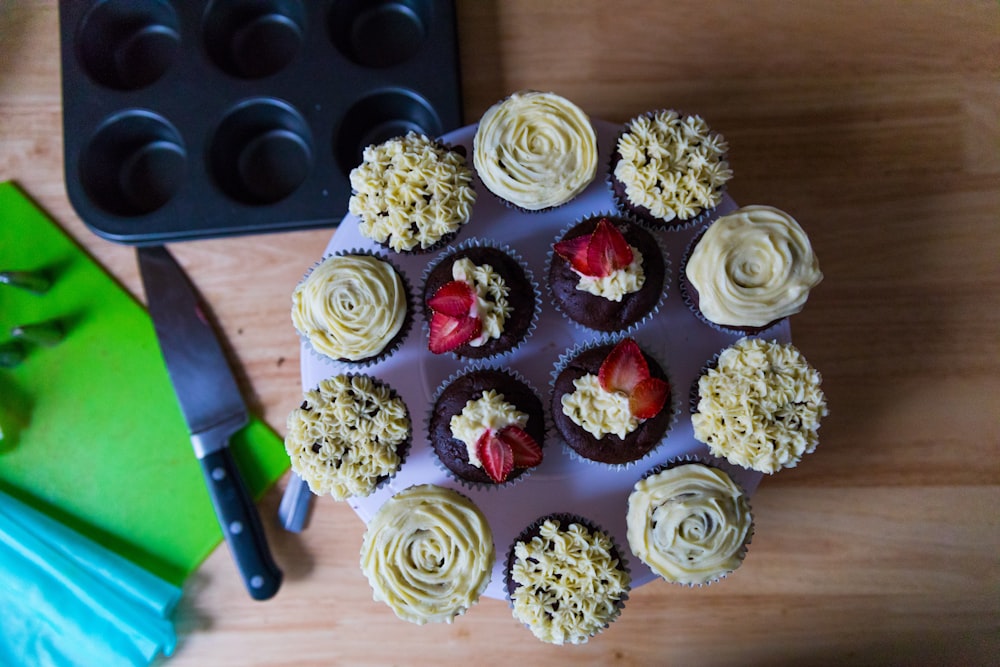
(412, 313)
(513, 254)
(673, 406)
(565, 518)
(547, 428)
(653, 312)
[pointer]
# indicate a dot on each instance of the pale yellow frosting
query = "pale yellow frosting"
(491, 307)
(410, 192)
(488, 412)
(761, 407)
(350, 307)
(598, 411)
(672, 165)
(689, 523)
(428, 554)
(752, 267)
(615, 286)
(344, 437)
(535, 150)
(571, 585)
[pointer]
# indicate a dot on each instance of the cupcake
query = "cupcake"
(428, 553)
(668, 169)
(611, 403)
(689, 522)
(606, 274)
(487, 427)
(535, 151)
(352, 308)
(566, 579)
(760, 406)
(479, 302)
(350, 434)
(749, 270)
(411, 193)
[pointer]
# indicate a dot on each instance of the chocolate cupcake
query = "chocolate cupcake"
(607, 274)
(412, 194)
(487, 427)
(566, 579)
(749, 270)
(611, 403)
(668, 169)
(479, 301)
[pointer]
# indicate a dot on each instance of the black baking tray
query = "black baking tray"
(188, 119)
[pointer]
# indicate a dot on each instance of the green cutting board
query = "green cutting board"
(101, 444)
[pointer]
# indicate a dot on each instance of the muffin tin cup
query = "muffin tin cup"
(211, 118)
(726, 467)
(481, 365)
(566, 518)
(347, 365)
(504, 248)
(673, 405)
(653, 312)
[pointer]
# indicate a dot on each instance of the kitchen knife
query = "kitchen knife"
(213, 408)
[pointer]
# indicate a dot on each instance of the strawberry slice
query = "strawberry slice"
(447, 333)
(497, 457)
(624, 368)
(454, 299)
(608, 250)
(575, 252)
(648, 397)
(525, 450)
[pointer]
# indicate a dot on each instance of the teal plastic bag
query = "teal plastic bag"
(67, 601)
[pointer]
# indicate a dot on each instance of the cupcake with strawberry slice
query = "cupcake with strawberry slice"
(607, 274)
(487, 427)
(611, 403)
(479, 301)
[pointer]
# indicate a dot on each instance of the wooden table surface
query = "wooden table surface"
(877, 124)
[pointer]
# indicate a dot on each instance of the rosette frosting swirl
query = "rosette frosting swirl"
(752, 267)
(535, 150)
(689, 523)
(428, 554)
(350, 307)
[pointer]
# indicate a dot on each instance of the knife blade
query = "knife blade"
(213, 408)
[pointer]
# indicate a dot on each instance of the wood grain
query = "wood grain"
(876, 124)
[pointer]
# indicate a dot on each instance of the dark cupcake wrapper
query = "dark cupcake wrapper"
(673, 406)
(646, 218)
(474, 367)
(510, 252)
(400, 337)
(633, 327)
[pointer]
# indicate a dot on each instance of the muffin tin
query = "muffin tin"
(187, 120)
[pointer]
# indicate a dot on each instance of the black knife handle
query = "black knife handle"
(240, 524)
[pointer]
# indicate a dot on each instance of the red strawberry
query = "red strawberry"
(526, 451)
(575, 252)
(608, 250)
(624, 368)
(497, 457)
(447, 333)
(648, 397)
(454, 299)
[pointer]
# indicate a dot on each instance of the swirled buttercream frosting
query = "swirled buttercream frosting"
(489, 412)
(568, 582)
(410, 192)
(598, 411)
(535, 150)
(752, 267)
(350, 307)
(347, 435)
(689, 523)
(428, 554)
(761, 406)
(671, 166)
(492, 307)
